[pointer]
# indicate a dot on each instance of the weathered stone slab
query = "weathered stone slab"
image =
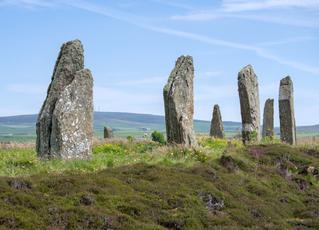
(65, 123)
(108, 133)
(179, 103)
(249, 104)
(217, 127)
(286, 112)
(72, 130)
(268, 119)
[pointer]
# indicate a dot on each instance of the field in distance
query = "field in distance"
(22, 128)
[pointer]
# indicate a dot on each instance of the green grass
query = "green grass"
(21, 162)
(145, 185)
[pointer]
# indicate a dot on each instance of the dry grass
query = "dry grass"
(96, 142)
(17, 145)
(301, 141)
(310, 140)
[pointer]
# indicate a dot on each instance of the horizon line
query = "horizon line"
(149, 114)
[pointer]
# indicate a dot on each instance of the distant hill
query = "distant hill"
(20, 128)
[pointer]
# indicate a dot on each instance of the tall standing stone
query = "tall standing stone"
(217, 127)
(179, 103)
(249, 104)
(108, 133)
(65, 123)
(268, 120)
(286, 112)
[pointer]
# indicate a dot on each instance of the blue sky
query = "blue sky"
(131, 47)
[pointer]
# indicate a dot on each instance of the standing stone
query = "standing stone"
(268, 120)
(217, 127)
(108, 133)
(286, 112)
(179, 103)
(249, 104)
(65, 123)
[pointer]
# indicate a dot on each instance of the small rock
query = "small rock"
(284, 172)
(108, 133)
(284, 200)
(19, 185)
(303, 170)
(229, 163)
(217, 127)
(108, 222)
(301, 183)
(256, 213)
(312, 170)
(211, 202)
(172, 224)
(86, 200)
(308, 170)
(312, 152)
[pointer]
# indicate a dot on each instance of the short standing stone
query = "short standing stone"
(65, 123)
(108, 133)
(249, 104)
(179, 103)
(268, 120)
(286, 112)
(217, 127)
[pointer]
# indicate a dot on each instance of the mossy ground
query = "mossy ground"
(143, 185)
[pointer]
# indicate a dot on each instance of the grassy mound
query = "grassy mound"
(148, 186)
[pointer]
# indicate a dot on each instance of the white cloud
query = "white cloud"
(269, 18)
(253, 5)
(192, 36)
(293, 20)
(244, 9)
(28, 3)
(296, 65)
(261, 52)
(199, 16)
(287, 41)
(137, 21)
(173, 4)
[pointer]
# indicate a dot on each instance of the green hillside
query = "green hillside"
(143, 185)
(22, 128)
